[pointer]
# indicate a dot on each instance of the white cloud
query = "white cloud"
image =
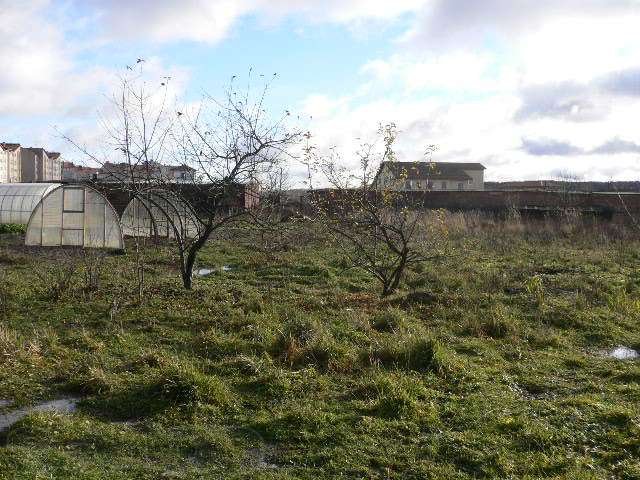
(477, 78)
(483, 129)
(213, 20)
(474, 77)
(43, 87)
(455, 72)
(34, 67)
(165, 20)
(341, 11)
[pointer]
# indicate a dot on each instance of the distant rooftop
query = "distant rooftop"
(431, 170)
(9, 146)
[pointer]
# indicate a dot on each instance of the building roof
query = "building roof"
(70, 166)
(179, 168)
(53, 155)
(10, 146)
(431, 170)
(36, 150)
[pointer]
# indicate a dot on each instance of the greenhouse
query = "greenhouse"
(61, 215)
(159, 213)
(19, 200)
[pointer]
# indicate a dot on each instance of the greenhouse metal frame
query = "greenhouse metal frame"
(159, 213)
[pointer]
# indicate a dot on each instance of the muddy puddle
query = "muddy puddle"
(62, 405)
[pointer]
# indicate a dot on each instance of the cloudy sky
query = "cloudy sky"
(531, 88)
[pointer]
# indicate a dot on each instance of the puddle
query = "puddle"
(624, 353)
(206, 271)
(203, 272)
(63, 405)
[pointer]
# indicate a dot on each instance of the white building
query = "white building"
(10, 163)
(4, 166)
(430, 176)
(38, 165)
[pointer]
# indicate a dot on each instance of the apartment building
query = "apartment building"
(10, 164)
(39, 166)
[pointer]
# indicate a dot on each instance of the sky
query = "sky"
(530, 88)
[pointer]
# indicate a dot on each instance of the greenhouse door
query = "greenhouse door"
(73, 216)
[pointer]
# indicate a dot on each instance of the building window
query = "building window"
(460, 186)
(444, 185)
(407, 185)
(419, 185)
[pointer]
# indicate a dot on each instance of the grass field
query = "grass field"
(489, 363)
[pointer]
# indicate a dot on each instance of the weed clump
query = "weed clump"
(395, 396)
(420, 355)
(293, 337)
(178, 387)
(186, 387)
(12, 228)
(395, 405)
(534, 287)
(304, 341)
(88, 380)
(497, 323)
(427, 355)
(390, 320)
(544, 338)
(328, 354)
(252, 303)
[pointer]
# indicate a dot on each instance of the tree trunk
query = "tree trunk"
(189, 260)
(393, 282)
(187, 270)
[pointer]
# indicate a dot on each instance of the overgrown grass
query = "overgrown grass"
(490, 363)
(12, 228)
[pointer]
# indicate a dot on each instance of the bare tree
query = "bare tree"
(232, 145)
(137, 127)
(379, 229)
(228, 145)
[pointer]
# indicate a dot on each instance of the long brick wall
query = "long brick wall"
(534, 200)
(607, 205)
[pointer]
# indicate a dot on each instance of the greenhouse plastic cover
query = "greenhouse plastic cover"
(18, 200)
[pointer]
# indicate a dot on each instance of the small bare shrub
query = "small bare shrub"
(92, 264)
(55, 281)
(6, 295)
